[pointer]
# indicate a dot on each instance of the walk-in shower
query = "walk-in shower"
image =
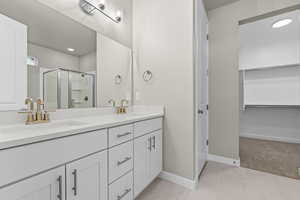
(63, 89)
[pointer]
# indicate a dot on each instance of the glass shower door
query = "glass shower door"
(51, 90)
(81, 90)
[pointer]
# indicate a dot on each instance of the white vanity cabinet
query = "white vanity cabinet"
(13, 56)
(147, 154)
(47, 186)
(109, 164)
(87, 178)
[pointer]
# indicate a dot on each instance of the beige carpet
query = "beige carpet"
(273, 157)
(222, 182)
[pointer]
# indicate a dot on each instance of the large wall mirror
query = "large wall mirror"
(70, 65)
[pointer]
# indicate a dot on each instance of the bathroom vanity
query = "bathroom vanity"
(96, 158)
(64, 153)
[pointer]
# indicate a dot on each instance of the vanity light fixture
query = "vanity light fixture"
(102, 4)
(89, 8)
(71, 49)
(282, 23)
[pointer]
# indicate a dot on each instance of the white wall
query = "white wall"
(121, 32)
(271, 124)
(49, 58)
(88, 62)
(113, 59)
(163, 44)
(224, 81)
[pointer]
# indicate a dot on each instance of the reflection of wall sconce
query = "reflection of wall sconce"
(89, 8)
(118, 79)
(147, 76)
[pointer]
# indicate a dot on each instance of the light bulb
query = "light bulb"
(102, 4)
(119, 16)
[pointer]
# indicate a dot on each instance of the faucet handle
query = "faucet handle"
(112, 102)
(124, 101)
(40, 103)
(29, 103)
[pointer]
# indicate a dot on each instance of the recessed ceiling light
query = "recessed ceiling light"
(282, 23)
(71, 49)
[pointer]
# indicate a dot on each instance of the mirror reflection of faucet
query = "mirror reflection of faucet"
(122, 108)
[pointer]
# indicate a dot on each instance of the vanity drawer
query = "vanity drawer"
(122, 189)
(120, 134)
(24, 161)
(147, 126)
(120, 160)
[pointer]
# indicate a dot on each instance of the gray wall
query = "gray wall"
(163, 43)
(224, 77)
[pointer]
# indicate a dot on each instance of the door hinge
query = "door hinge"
(207, 107)
(207, 142)
(207, 37)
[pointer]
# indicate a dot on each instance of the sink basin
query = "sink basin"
(41, 127)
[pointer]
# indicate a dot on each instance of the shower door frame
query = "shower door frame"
(69, 86)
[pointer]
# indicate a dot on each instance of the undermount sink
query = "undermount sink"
(39, 127)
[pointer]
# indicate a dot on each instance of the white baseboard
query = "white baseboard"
(224, 160)
(187, 183)
(271, 138)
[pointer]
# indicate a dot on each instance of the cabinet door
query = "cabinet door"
(13, 56)
(87, 178)
(47, 186)
(141, 163)
(156, 154)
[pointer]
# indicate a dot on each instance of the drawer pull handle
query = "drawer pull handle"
(150, 144)
(124, 161)
(74, 188)
(154, 142)
(124, 194)
(124, 134)
(59, 180)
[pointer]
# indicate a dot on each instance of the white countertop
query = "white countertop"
(21, 134)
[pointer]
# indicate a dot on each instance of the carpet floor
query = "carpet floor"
(269, 156)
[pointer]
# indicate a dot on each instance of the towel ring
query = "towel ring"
(147, 76)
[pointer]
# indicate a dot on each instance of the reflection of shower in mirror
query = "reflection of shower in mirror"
(64, 89)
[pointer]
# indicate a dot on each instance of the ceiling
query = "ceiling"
(212, 4)
(48, 28)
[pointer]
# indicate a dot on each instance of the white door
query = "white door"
(202, 79)
(142, 148)
(156, 154)
(13, 56)
(87, 178)
(47, 186)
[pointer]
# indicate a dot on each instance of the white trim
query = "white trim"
(179, 180)
(224, 160)
(271, 138)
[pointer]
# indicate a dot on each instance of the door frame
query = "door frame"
(198, 14)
